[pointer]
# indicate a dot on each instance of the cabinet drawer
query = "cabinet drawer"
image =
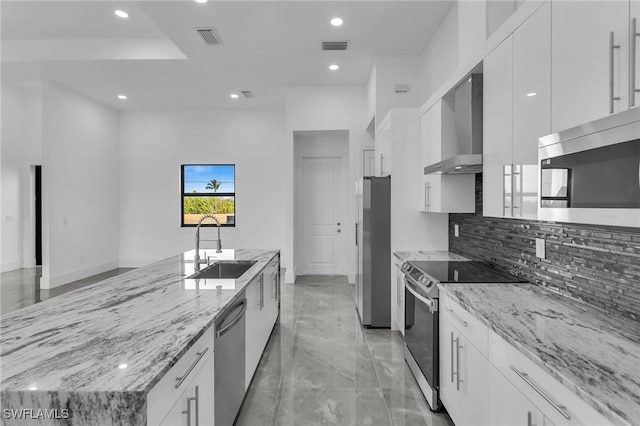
(167, 391)
(468, 325)
(558, 403)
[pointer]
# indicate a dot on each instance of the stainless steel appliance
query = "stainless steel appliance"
(373, 241)
(229, 348)
(591, 173)
(421, 335)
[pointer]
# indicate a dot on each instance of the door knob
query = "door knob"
(338, 224)
(339, 231)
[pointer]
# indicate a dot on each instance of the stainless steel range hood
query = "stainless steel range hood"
(467, 138)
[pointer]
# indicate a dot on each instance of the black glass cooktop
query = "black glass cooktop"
(463, 272)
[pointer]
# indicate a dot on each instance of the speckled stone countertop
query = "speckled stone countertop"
(406, 256)
(592, 353)
(66, 351)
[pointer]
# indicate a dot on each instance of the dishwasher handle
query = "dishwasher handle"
(224, 330)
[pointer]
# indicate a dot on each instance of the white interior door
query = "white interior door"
(323, 213)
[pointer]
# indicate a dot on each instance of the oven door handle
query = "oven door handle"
(433, 307)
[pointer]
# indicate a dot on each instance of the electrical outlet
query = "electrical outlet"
(540, 248)
(456, 230)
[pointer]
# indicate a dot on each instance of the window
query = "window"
(208, 189)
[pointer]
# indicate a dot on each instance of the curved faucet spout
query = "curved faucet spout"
(196, 258)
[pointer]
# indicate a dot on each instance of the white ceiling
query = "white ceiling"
(157, 59)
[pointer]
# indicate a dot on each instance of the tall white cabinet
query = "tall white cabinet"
(591, 56)
(517, 101)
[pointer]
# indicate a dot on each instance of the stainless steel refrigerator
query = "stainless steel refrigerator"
(373, 244)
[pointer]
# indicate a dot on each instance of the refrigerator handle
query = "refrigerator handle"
(356, 233)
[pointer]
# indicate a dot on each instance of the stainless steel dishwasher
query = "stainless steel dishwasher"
(229, 347)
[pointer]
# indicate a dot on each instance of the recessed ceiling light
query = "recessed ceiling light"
(201, 1)
(531, 94)
(336, 22)
(333, 67)
(122, 366)
(458, 167)
(234, 96)
(123, 97)
(121, 13)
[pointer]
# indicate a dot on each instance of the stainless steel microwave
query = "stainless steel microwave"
(591, 173)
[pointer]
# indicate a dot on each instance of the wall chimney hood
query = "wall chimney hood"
(466, 141)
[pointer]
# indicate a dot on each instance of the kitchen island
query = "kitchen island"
(92, 356)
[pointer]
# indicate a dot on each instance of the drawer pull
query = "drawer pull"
(183, 377)
(524, 376)
(457, 318)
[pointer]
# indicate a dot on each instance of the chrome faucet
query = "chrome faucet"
(196, 258)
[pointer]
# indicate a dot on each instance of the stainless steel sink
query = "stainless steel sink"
(229, 269)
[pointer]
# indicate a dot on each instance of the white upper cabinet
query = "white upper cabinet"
(590, 60)
(383, 147)
(517, 101)
(634, 53)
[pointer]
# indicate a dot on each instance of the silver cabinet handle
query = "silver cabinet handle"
(197, 401)
(184, 376)
(458, 380)
(275, 285)
(261, 291)
(457, 318)
(632, 63)
(612, 47)
(427, 196)
(530, 419)
(524, 376)
(452, 373)
(188, 410)
(381, 164)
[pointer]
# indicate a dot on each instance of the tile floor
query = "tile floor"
(322, 367)
(21, 288)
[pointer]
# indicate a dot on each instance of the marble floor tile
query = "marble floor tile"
(21, 288)
(321, 367)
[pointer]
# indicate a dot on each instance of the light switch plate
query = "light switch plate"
(456, 230)
(540, 248)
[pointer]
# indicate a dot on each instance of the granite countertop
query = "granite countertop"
(406, 256)
(66, 351)
(595, 354)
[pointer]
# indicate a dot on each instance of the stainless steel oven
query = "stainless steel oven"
(421, 334)
(421, 338)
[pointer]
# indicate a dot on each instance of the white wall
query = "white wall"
(21, 149)
(79, 185)
(392, 70)
(326, 108)
(153, 146)
(440, 58)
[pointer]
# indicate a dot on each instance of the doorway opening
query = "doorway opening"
(38, 215)
(321, 164)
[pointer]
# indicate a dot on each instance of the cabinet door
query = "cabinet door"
(474, 378)
(507, 406)
(196, 404)
(449, 394)
(497, 132)
(580, 61)
(383, 154)
(635, 55)
(252, 324)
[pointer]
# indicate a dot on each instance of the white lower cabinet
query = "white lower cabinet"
(484, 380)
(263, 298)
(186, 391)
(195, 405)
(464, 375)
(508, 406)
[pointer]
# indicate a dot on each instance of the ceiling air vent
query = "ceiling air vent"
(248, 94)
(335, 45)
(210, 36)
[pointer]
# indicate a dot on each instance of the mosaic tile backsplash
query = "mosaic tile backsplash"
(599, 265)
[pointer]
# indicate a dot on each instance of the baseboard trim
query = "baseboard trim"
(48, 283)
(10, 266)
(136, 263)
